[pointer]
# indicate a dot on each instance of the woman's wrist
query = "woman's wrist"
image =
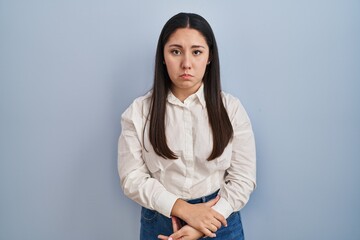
(179, 209)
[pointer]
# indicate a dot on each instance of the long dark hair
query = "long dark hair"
(218, 118)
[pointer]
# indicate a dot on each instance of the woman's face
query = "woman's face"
(186, 55)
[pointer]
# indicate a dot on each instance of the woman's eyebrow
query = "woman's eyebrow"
(175, 45)
(197, 46)
(179, 46)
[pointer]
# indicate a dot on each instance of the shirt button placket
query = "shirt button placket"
(189, 151)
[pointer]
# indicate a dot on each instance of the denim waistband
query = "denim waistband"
(203, 199)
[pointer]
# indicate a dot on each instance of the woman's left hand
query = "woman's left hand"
(182, 232)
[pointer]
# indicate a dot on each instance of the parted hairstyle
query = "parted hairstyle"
(219, 121)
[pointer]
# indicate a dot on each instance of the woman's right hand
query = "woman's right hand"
(200, 216)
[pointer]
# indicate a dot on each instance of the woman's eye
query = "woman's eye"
(197, 52)
(176, 52)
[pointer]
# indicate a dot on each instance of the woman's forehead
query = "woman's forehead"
(187, 37)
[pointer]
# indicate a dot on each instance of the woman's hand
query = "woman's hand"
(200, 217)
(181, 232)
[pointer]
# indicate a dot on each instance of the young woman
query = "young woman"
(187, 152)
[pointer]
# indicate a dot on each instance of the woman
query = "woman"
(186, 152)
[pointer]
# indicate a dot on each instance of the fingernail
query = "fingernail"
(170, 238)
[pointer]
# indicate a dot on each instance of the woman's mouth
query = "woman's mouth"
(186, 76)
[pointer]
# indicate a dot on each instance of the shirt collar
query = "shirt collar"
(199, 94)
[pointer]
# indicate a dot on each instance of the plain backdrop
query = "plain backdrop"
(69, 68)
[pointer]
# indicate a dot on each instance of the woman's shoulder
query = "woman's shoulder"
(233, 106)
(229, 100)
(142, 100)
(139, 107)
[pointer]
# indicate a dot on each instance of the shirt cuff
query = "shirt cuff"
(223, 207)
(165, 202)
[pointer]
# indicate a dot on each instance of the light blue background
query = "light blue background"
(68, 69)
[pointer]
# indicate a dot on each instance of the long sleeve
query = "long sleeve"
(135, 178)
(240, 177)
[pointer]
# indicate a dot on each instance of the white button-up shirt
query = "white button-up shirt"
(156, 183)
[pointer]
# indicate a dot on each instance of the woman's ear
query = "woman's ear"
(209, 59)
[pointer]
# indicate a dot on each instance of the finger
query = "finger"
(221, 218)
(212, 202)
(162, 237)
(177, 235)
(217, 219)
(208, 233)
(175, 224)
(216, 223)
(212, 228)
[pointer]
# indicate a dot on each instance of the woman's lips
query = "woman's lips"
(186, 76)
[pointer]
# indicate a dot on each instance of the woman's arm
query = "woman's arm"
(240, 177)
(135, 177)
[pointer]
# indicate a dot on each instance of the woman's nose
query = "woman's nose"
(186, 63)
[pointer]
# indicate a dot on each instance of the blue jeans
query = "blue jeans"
(154, 223)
